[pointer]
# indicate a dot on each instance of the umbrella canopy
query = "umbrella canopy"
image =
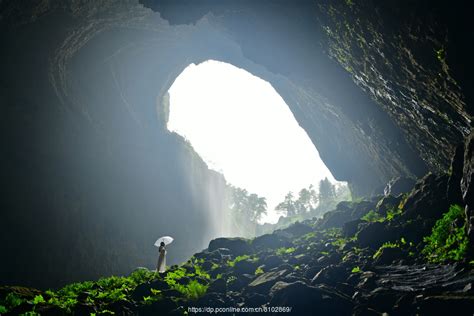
(166, 239)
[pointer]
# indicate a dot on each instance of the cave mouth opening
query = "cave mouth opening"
(241, 127)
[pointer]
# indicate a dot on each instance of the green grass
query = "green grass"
(447, 242)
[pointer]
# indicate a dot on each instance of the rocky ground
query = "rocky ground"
(365, 257)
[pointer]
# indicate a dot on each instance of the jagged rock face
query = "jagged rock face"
(83, 88)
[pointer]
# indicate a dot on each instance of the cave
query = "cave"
(90, 173)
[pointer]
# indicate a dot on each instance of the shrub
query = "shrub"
(447, 241)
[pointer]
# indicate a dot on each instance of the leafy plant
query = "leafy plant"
(285, 251)
(237, 259)
(38, 299)
(201, 273)
(193, 290)
(447, 241)
(258, 271)
(387, 244)
(3, 309)
(372, 217)
(231, 279)
(356, 270)
(12, 300)
(391, 214)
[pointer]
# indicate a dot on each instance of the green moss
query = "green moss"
(447, 242)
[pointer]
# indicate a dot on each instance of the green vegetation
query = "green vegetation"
(258, 271)
(310, 203)
(393, 213)
(231, 279)
(356, 270)
(247, 205)
(113, 289)
(239, 258)
(387, 244)
(447, 241)
(285, 251)
(193, 290)
(441, 54)
(372, 217)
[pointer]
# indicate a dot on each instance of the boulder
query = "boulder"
(164, 306)
(218, 286)
(428, 199)
(271, 241)
(308, 300)
(350, 228)
(335, 219)
(237, 246)
(467, 189)
(212, 299)
(255, 299)
(265, 281)
(298, 229)
(372, 235)
(245, 267)
(272, 261)
(361, 208)
(446, 305)
(454, 191)
(388, 203)
(330, 275)
(399, 185)
(389, 255)
(144, 289)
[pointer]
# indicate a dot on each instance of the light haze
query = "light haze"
(243, 128)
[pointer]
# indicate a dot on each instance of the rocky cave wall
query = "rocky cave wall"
(89, 171)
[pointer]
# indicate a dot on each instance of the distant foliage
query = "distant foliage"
(310, 202)
(246, 209)
(448, 240)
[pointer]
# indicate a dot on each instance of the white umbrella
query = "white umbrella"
(166, 239)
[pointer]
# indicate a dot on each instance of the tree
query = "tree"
(327, 192)
(247, 206)
(307, 200)
(288, 206)
(257, 206)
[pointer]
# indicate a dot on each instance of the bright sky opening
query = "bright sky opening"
(243, 128)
